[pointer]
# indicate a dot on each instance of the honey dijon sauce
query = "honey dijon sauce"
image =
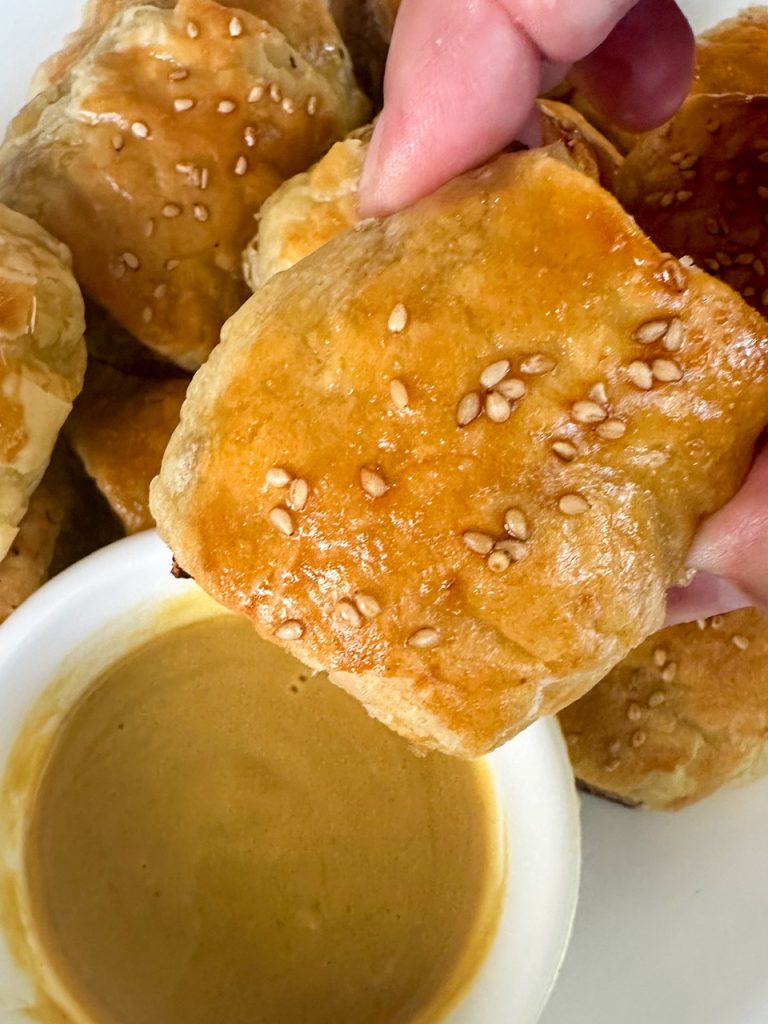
(219, 838)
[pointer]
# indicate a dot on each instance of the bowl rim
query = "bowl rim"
(90, 602)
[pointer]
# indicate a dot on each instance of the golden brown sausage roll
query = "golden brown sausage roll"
(457, 456)
(699, 186)
(120, 427)
(733, 56)
(153, 154)
(683, 715)
(42, 359)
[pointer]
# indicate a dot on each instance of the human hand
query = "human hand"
(462, 77)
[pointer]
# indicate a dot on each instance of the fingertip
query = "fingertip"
(642, 72)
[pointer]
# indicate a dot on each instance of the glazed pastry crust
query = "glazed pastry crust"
(733, 56)
(153, 154)
(526, 257)
(42, 359)
(119, 428)
(682, 716)
(699, 186)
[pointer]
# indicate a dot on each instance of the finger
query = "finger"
(706, 596)
(733, 543)
(642, 72)
(461, 79)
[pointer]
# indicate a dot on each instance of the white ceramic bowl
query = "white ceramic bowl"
(93, 613)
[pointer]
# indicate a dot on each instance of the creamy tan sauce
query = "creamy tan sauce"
(219, 838)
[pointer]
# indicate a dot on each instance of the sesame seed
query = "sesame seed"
(683, 195)
(669, 672)
(716, 622)
(689, 161)
(130, 260)
(256, 93)
(478, 542)
(183, 103)
(667, 199)
(517, 550)
(281, 519)
(651, 331)
(740, 641)
(140, 129)
(565, 450)
(660, 657)
(599, 394)
(611, 766)
(615, 748)
(666, 370)
(676, 158)
(398, 393)
(398, 319)
(192, 30)
(712, 265)
(468, 409)
(117, 142)
(241, 166)
(748, 292)
(712, 226)
(611, 430)
(640, 375)
(160, 291)
(516, 524)
(638, 738)
(235, 27)
(178, 75)
(275, 93)
(171, 264)
(250, 135)
(298, 494)
(494, 373)
(349, 614)
(497, 408)
(288, 105)
(204, 178)
(201, 213)
(672, 275)
(537, 364)
(146, 315)
(118, 270)
(764, 297)
(312, 106)
(424, 638)
(687, 261)
(226, 106)
(588, 412)
(702, 624)
(511, 388)
(712, 125)
(374, 484)
(759, 267)
(367, 605)
(149, 228)
(744, 259)
(292, 629)
(721, 176)
(171, 210)
(573, 504)
(499, 561)
(278, 477)
(675, 335)
(656, 698)
(634, 712)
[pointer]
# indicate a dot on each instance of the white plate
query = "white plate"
(672, 926)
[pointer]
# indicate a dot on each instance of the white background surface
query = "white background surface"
(673, 922)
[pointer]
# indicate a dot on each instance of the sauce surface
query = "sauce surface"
(221, 838)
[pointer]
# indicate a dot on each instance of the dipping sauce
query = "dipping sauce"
(221, 838)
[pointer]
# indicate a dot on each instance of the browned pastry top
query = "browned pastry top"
(153, 154)
(120, 427)
(457, 456)
(699, 186)
(681, 716)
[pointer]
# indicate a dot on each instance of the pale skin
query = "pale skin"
(460, 84)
